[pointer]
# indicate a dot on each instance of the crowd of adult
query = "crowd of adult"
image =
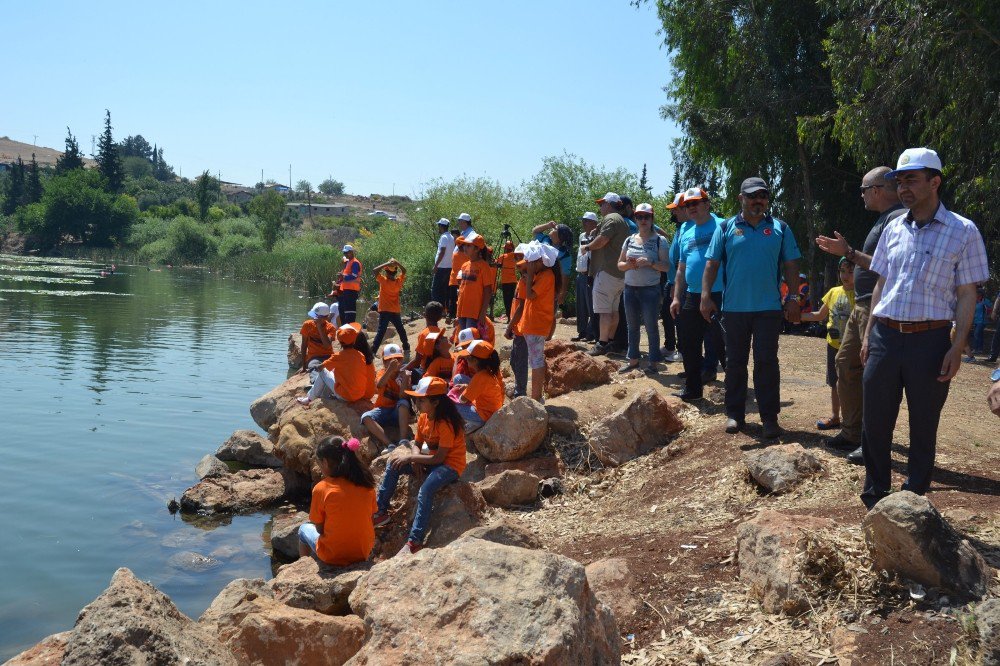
(898, 323)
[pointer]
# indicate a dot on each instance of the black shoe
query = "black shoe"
(772, 430)
(708, 377)
(600, 349)
(682, 374)
(841, 443)
(991, 359)
(856, 456)
(733, 426)
(687, 396)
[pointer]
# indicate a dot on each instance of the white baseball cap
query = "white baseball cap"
(320, 309)
(348, 248)
(465, 217)
(589, 216)
(610, 197)
(678, 200)
(444, 222)
(392, 351)
(695, 194)
(916, 158)
(644, 208)
(467, 336)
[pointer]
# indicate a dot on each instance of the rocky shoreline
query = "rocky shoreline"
(486, 590)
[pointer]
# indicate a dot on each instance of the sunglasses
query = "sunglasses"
(865, 188)
(692, 204)
(760, 194)
(643, 216)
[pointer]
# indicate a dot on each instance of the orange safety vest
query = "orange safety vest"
(352, 285)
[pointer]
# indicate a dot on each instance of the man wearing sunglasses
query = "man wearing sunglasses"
(754, 249)
(878, 191)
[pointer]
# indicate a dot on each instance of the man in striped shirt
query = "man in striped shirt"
(929, 261)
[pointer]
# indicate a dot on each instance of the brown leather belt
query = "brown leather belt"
(914, 326)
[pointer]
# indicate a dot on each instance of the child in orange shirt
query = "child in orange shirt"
(538, 318)
(349, 374)
(318, 333)
(391, 406)
(340, 529)
(389, 288)
(439, 451)
(475, 283)
(484, 393)
(508, 280)
(440, 363)
(433, 312)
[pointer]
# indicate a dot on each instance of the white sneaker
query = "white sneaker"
(674, 357)
(409, 548)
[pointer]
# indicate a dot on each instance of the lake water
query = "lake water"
(111, 391)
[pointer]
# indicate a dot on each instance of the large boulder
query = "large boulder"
(505, 532)
(47, 652)
(458, 507)
(646, 422)
(260, 630)
(209, 465)
(310, 584)
(568, 368)
(988, 623)
(771, 563)
(514, 431)
(249, 448)
(510, 488)
(285, 534)
(266, 409)
(610, 579)
(300, 429)
(907, 536)
(478, 602)
(294, 353)
(132, 622)
(778, 469)
(241, 492)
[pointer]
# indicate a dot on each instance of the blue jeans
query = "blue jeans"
(977, 337)
(384, 319)
(437, 477)
(642, 308)
(471, 417)
(467, 322)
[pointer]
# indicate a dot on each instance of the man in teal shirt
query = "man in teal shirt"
(753, 248)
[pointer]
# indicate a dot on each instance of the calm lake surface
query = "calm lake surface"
(111, 391)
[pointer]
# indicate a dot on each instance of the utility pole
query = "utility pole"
(35, 141)
(289, 178)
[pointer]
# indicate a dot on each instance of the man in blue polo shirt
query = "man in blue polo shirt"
(692, 242)
(755, 248)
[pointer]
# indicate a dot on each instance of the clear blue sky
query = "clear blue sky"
(375, 94)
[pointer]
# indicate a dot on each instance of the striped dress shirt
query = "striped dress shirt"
(922, 266)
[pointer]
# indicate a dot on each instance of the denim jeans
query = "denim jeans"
(471, 417)
(467, 322)
(384, 319)
(437, 477)
(978, 332)
(642, 308)
(519, 365)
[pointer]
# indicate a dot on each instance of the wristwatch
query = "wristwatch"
(995, 377)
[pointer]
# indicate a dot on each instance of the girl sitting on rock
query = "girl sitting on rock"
(349, 374)
(440, 362)
(484, 393)
(340, 530)
(438, 453)
(392, 408)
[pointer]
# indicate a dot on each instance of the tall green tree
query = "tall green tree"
(269, 207)
(331, 187)
(71, 158)
(643, 182)
(15, 189)
(206, 190)
(136, 146)
(33, 183)
(109, 159)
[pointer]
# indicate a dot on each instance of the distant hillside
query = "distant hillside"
(10, 150)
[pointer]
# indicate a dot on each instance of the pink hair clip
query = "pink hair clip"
(353, 444)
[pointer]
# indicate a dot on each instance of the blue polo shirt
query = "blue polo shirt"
(752, 259)
(693, 245)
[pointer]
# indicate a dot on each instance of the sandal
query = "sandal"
(829, 423)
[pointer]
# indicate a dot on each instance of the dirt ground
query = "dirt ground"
(673, 516)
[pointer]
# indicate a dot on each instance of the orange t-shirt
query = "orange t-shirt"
(423, 348)
(540, 311)
(344, 511)
(475, 277)
(440, 433)
(369, 381)
(350, 373)
(486, 392)
(310, 337)
(389, 394)
(507, 264)
(520, 294)
(388, 292)
(440, 367)
(457, 259)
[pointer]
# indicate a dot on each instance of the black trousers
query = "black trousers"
(620, 337)
(995, 343)
(384, 319)
(452, 305)
(759, 331)
(584, 305)
(508, 289)
(899, 362)
(439, 286)
(695, 331)
(348, 304)
(670, 327)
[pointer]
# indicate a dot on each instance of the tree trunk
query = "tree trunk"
(810, 220)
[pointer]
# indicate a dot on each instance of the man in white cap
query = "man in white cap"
(442, 262)
(609, 281)
(349, 281)
(584, 284)
(929, 262)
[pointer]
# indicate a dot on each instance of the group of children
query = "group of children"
(450, 394)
